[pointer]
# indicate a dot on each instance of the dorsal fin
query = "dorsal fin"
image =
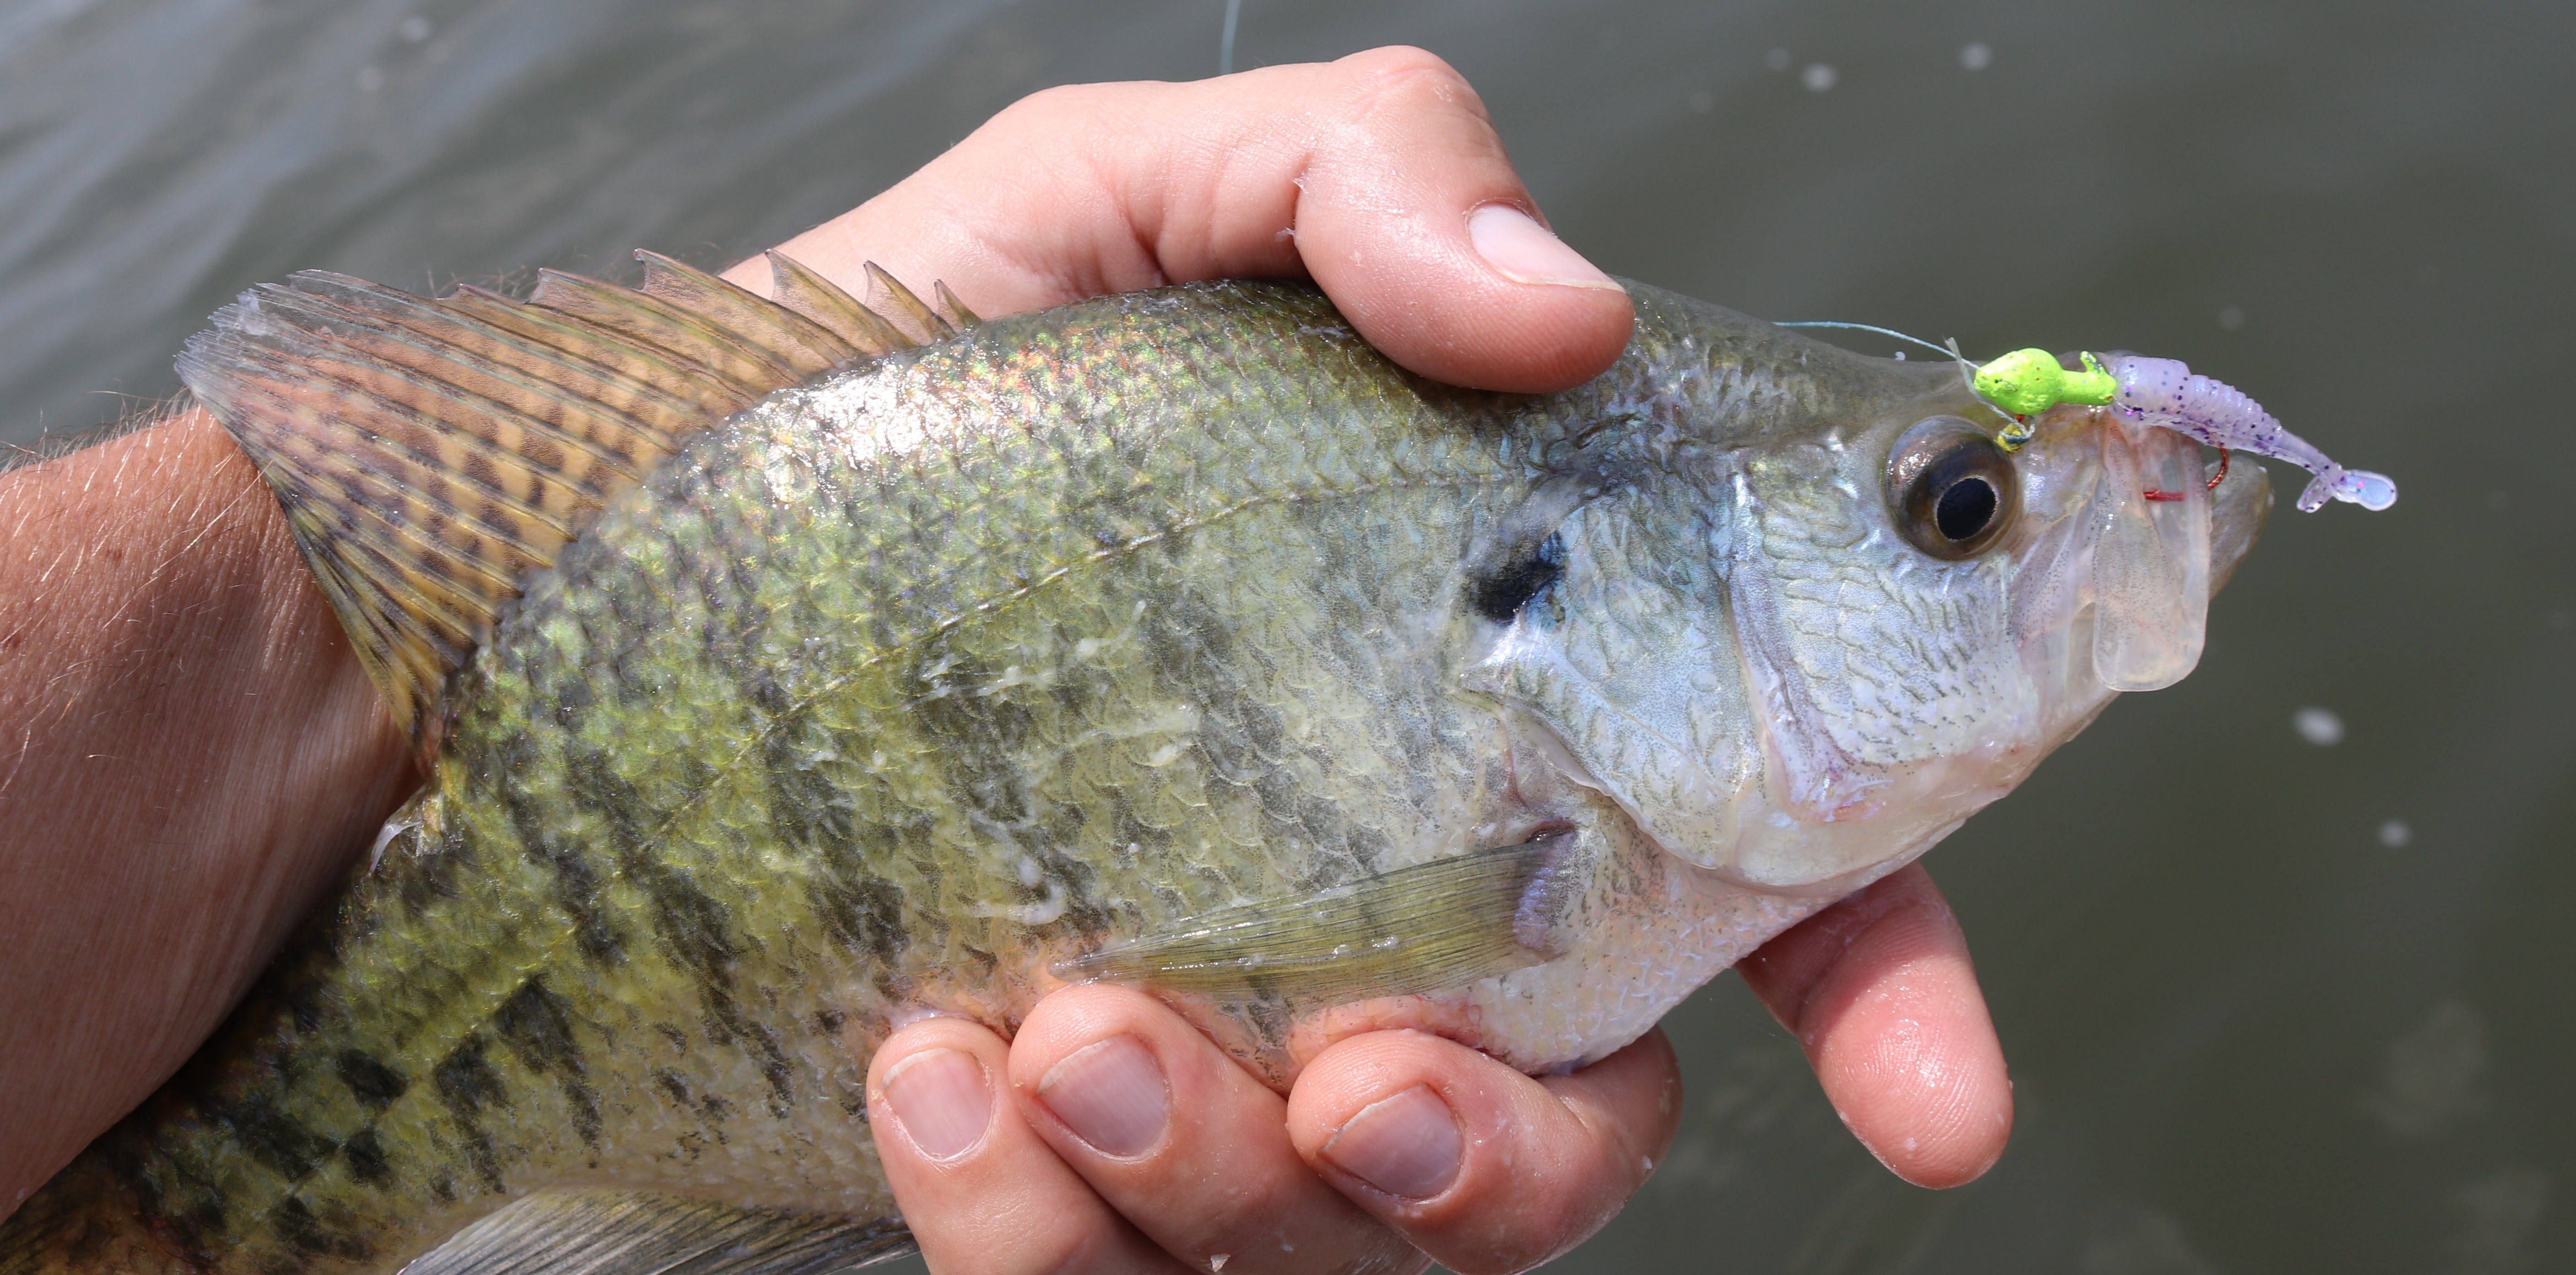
(952, 309)
(813, 296)
(431, 456)
(888, 296)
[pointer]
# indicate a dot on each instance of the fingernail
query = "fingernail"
(1523, 251)
(1111, 1095)
(941, 1099)
(1405, 1145)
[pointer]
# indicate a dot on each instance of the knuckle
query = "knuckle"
(1048, 110)
(1407, 83)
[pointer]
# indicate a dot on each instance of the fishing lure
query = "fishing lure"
(2166, 393)
(2162, 392)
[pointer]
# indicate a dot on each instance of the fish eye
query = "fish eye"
(1953, 489)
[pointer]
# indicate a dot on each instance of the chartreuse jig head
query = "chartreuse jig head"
(2028, 382)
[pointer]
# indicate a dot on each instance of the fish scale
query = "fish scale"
(1161, 638)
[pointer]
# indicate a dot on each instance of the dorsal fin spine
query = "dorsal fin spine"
(925, 325)
(790, 337)
(810, 294)
(952, 309)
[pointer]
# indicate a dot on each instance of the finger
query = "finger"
(982, 1193)
(1480, 1166)
(1379, 176)
(1880, 990)
(1187, 1144)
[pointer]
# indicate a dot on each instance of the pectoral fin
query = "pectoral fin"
(644, 1233)
(1416, 929)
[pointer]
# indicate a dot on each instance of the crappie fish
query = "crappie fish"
(1175, 638)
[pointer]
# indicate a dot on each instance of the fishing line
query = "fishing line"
(1951, 349)
(1967, 369)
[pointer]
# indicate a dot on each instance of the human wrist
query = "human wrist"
(191, 756)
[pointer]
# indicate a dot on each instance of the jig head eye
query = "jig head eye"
(1952, 489)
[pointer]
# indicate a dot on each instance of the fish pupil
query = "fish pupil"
(1500, 596)
(1965, 509)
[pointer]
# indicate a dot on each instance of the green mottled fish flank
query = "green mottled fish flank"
(911, 682)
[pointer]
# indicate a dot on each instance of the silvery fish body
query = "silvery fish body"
(1175, 637)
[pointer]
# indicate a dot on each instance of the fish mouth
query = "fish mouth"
(2239, 506)
(2139, 528)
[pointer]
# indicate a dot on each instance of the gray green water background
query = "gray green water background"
(2271, 1004)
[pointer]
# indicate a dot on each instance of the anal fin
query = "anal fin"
(1419, 928)
(599, 1232)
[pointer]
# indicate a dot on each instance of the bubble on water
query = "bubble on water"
(2435, 1073)
(2500, 1212)
(2395, 834)
(1776, 59)
(2318, 726)
(1702, 102)
(414, 29)
(2231, 318)
(2130, 1235)
(1818, 77)
(1977, 57)
(370, 79)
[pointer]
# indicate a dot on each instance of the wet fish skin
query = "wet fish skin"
(918, 680)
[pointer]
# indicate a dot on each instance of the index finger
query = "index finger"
(1379, 176)
(1484, 1168)
(1880, 991)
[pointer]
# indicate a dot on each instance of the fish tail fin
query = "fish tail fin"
(433, 456)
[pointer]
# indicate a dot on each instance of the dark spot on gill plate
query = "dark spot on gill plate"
(1499, 593)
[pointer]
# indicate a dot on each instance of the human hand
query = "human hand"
(1108, 1134)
